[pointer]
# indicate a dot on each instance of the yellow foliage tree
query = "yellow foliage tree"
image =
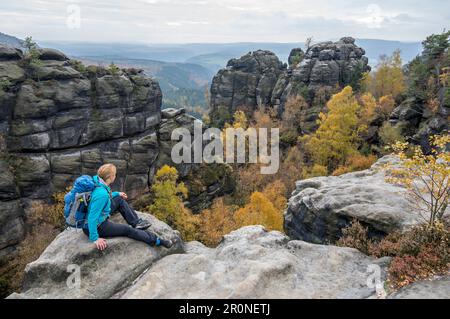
(426, 176)
(367, 111)
(216, 222)
(239, 120)
(386, 105)
(337, 135)
(291, 169)
(168, 202)
(356, 162)
(265, 208)
(388, 78)
(275, 193)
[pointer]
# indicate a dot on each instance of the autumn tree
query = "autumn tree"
(385, 106)
(390, 134)
(426, 176)
(337, 135)
(292, 112)
(215, 222)
(264, 118)
(291, 168)
(168, 205)
(239, 121)
(265, 208)
(367, 110)
(388, 77)
(426, 72)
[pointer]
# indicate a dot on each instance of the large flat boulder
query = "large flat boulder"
(102, 273)
(320, 207)
(254, 263)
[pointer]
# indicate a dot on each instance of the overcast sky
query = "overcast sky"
(188, 21)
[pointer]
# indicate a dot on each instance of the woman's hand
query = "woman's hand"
(101, 244)
(123, 195)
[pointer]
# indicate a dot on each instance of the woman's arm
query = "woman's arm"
(96, 206)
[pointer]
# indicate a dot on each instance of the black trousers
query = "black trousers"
(108, 229)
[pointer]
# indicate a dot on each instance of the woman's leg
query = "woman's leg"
(128, 213)
(110, 229)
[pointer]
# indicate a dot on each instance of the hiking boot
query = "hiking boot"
(165, 243)
(142, 224)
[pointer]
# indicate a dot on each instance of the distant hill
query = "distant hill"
(168, 74)
(214, 56)
(375, 48)
(12, 41)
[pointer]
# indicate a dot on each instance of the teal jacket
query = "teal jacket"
(99, 207)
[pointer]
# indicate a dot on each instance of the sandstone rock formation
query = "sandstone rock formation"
(58, 121)
(248, 263)
(102, 273)
(324, 68)
(260, 79)
(253, 263)
(247, 81)
(329, 64)
(320, 207)
(419, 122)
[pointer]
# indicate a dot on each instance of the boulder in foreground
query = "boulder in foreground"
(253, 263)
(320, 207)
(102, 273)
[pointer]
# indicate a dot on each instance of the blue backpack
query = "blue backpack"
(77, 200)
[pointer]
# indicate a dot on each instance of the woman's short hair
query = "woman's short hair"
(106, 171)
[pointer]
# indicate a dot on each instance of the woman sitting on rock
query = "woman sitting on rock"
(104, 202)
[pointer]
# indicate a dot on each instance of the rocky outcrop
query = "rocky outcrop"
(101, 273)
(59, 120)
(318, 73)
(253, 263)
(245, 82)
(320, 207)
(248, 263)
(415, 119)
(260, 79)
(330, 64)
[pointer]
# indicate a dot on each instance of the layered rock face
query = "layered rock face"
(259, 78)
(320, 207)
(328, 64)
(419, 122)
(58, 122)
(322, 70)
(246, 82)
